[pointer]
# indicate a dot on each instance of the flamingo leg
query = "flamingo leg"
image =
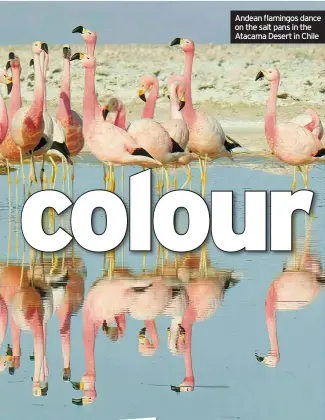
(22, 168)
(294, 182)
(188, 179)
(43, 176)
(175, 179)
(167, 179)
(122, 179)
(54, 172)
(64, 174)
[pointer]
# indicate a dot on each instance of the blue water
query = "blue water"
(234, 384)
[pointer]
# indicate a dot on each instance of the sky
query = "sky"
(127, 22)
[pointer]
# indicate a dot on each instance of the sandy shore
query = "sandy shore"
(223, 80)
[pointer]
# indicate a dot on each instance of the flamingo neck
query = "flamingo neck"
(36, 110)
(270, 312)
(188, 111)
(89, 99)
(152, 330)
(64, 110)
(15, 100)
(3, 119)
(174, 105)
(120, 120)
(149, 108)
(270, 117)
(91, 45)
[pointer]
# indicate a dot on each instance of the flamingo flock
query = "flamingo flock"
(31, 134)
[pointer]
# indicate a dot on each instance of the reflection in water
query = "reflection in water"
(299, 284)
(188, 290)
(33, 294)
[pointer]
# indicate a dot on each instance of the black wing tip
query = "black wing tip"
(320, 153)
(230, 145)
(141, 152)
(176, 147)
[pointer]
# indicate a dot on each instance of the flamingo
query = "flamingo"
(27, 124)
(110, 144)
(90, 38)
(8, 149)
(206, 136)
(290, 142)
(106, 301)
(4, 121)
(69, 119)
(297, 287)
(10, 279)
(147, 82)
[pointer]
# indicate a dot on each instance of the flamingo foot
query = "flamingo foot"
(66, 374)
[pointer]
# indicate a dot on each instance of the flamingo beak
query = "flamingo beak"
(77, 56)
(259, 75)
(181, 103)
(44, 47)
(142, 95)
(259, 358)
(31, 63)
(78, 29)
(9, 88)
(176, 41)
(82, 401)
(11, 56)
(104, 114)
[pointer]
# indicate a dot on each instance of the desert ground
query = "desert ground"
(223, 80)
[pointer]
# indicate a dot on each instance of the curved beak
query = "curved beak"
(142, 95)
(44, 47)
(31, 63)
(176, 41)
(82, 401)
(78, 386)
(259, 358)
(104, 114)
(76, 56)
(259, 75)
(181, 103)
(9, 84)
(78, 29)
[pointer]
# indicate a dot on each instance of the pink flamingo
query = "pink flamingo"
(69, 119)
(27, 124)
(145, 83)
(8, 149)
(109, 143)
(297, 287)
(90, 38)
(4, 121)
(10, 278)
(106, 302)
(206, 134)
(290, 142)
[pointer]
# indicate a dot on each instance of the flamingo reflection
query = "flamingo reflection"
(296, 287)
(188, 291)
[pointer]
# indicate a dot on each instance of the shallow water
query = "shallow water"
(229, 381)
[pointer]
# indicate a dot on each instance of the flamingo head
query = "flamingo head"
(14, 62)
(269, 74)
(187, 45)
(178, 88)
(271, 360)
(87, 35)
(39, 46)
(66, 52)
(113, 105)
(6, 80)
(145, 83)
(87, 61)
